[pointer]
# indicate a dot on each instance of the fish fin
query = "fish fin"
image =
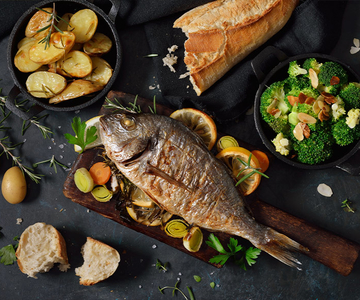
(280, 247)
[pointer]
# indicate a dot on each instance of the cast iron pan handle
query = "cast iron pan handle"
(265, 60)
(351, 165)
(11, 105)
(114, 10)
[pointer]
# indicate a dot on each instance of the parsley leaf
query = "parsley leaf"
(7, 254)
(160, 266)
(81, 137)
(247, 255)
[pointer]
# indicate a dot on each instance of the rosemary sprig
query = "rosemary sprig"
(52, 17)
(53, 162)
(115, 104)
(247, 166)
(153, 110)
(7, 148)
(45, 131)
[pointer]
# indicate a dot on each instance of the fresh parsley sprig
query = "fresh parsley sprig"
(160, 266)
(247, 166)
(7, 253)
(177, 289)
(346, 205)
(81, 138)
(248, 255)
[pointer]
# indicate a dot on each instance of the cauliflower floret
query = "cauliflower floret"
(338, 108)
(353, 117)
(282, 144)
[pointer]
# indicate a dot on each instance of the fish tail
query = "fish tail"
(280, 246)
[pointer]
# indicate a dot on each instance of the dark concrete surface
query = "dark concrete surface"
(292, 190)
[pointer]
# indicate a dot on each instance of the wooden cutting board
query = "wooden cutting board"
(325, 247)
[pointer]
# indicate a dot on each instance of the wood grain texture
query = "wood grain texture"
(325, 247)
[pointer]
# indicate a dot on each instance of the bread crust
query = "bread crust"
(222, 33)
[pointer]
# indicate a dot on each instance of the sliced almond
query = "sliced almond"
(292, 100)
(306, 131)
(302, 98)
(316, 107)
(313, 78)
(323, 116)
(305, 118)
(275, 112)
(326, 95)
(309, 100)
(299, 131)
(330, 100)
(323, 106)
(334, 80)
(272, 106)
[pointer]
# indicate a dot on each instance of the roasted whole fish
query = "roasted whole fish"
(172, 165)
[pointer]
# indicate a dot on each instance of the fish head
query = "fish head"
(126, 136)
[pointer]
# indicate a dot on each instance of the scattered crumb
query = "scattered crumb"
(173, 48)
(88, 211)
(182, 76)
(170, 60)
(19, 221)
(154, 246)
(61, 210)
(325, 190)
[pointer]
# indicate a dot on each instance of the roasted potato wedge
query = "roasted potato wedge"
(98, 45)
(26, 40)
(76, 64)
(60, 44)
(44, 84)
(22, 60)
(38, 21)
(101, 71)
(83, 24)
(75, 89)
(77, 46)
(64, 21)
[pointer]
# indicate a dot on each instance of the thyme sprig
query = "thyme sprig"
(7, 148)
(52, 18)
(247, 166)
(53, 162)
(346, 205)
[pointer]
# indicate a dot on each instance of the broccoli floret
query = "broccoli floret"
(274, 98)
(282, 144)
(338, 109)
(350, 93)
(328, 71)
(312, 63)
(296, 85)
(301, 108)
(343, 134)
(315, 149)
(295, 69)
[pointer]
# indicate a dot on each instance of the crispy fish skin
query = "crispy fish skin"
(173, 166)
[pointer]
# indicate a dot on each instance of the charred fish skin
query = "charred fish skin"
(173, 166)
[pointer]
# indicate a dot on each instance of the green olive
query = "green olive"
(13, 186)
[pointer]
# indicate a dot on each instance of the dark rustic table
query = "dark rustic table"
(290, 189)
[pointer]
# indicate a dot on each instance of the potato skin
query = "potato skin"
(13, 186)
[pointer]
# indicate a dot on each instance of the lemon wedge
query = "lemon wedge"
(95, 121)
(139, 198)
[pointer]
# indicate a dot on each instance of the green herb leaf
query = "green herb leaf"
(212, 284)
(251, 254)
(197, 278)
(160, 266)
(191, 294)
(7, 254)
(346, 205)
(81, 139)
(214, 243)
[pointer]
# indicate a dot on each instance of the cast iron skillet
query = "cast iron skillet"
(343, 157)
(106, 25)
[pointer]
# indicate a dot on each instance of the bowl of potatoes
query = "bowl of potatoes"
(63, 55)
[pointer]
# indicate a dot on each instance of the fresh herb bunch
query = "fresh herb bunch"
(7, 253)
(133, 106)
(248, 255)
(81, 137)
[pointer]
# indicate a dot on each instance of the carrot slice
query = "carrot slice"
(100, 172)
(262, 158)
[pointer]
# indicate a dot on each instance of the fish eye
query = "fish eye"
(128, 123)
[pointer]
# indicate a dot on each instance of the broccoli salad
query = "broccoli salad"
(312, 111)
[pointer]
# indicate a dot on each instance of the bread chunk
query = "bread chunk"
(40, 247)
(100, 262)
(222, 33)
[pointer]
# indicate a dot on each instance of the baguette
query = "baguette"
(40, 247)
(100, 262)
(222, 33)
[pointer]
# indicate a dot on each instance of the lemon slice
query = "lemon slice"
(231, 158)
(199, 122)
(95, 121)
(139, 198)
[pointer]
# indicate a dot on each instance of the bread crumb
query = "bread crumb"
(182, 76)
(173, 48)
(19, 221)
(170, 60)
